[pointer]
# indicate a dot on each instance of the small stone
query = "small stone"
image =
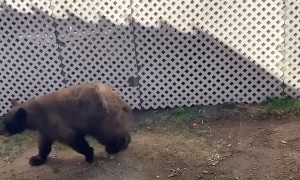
(111, 158)
(283, 142)
(214, 164)
(175, 172)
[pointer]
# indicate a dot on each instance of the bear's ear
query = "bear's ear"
(14, 102)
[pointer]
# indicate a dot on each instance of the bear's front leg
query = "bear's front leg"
(44, 146)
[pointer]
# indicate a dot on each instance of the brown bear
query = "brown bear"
(70, 114)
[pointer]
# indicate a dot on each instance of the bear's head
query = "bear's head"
(118, 143)
(14, 121)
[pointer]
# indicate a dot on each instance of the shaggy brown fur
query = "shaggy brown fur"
(69, 115)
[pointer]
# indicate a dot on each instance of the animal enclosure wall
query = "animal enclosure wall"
(292, 49)
(160, 53)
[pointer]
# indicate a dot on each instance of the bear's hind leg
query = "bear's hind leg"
(44, 146)
(80, 144)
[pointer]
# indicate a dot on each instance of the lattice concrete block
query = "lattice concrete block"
(27, 69)
(30, 18)
(29, 64)
(85, 17)
(292, 48)
(208, 52)
(131, 95)
(97, 44)
(97, 58)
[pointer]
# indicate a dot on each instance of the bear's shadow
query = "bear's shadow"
(78, 159)
(75, 165)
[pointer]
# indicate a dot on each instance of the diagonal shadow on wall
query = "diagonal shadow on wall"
(174, 68)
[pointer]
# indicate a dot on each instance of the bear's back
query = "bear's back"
(86, 106)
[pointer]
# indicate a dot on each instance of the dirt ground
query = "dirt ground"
(222, 142)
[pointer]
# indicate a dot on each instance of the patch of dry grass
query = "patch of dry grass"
(14, 146)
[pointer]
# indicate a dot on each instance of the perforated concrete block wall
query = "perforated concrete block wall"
(208, 51)
(162, 53)
(292, 49)
(29, 64)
